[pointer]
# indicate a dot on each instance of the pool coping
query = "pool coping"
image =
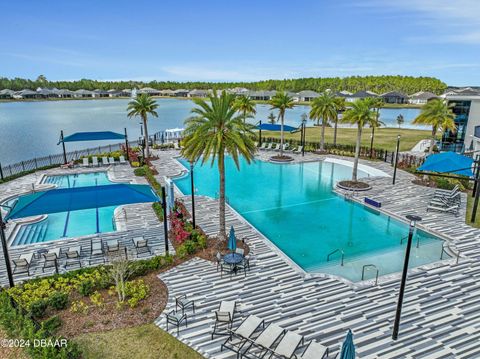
(308, 275)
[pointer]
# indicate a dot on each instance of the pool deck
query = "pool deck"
(133, 220)
(440, 317)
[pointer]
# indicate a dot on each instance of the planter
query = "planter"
(354, 186)
(281, 159)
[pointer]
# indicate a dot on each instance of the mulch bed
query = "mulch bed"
(214, 246)
(109, 317)
(279, 158)
(354, 185)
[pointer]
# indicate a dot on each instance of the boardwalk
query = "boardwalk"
(440, 315)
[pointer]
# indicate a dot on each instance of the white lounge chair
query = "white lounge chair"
(262, 344)
(314, 351)
(277, 147)
(122, 160)
(263, 146)
(447, 191)
(288, 345)
(256, 144)
(105, 161)
(298, 150)
(95, 161)
(22, 264)
(443, 209)
(269, 146)
(111, 160)
(285, 146)
(85, 162)
(224, 317)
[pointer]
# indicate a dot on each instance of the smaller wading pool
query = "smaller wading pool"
(79, 180)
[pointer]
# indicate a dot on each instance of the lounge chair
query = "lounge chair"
(85, 162)
(269, 146)
(122, 160)
(141, 245)
(285, 146)
(111, 160)
(113, 247)
(314, 351)
(95, 161)
(298, 150)
(262, 345)
(447, 191)
(224, 317)
(277, 147)
(22, 264)
(51, 258)
(176, 146)
(73, 255)
(444, 209)
(96, 250)
(105, 161)
(240, 336)
(456, 197)
(256, 144)
(288, 345)
(68, 165)
(263, 146)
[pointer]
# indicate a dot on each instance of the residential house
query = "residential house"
(307, 96)
(149, 91)
(421, 98)
(360, 95)
(6, 94)
(199, 93)
(83, 93)
(394, 97)
(27, 94)
(180, 93)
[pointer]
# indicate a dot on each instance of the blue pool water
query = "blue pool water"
(294, 207)
(79, 180)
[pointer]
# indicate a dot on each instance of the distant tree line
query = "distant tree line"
(378, 84)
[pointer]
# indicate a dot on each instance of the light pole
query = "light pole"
(304, 130)
(193, 193)
(396, 160)
(3, 238)
(165, 214)
(413, 220)
(260, 133)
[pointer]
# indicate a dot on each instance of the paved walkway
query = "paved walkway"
(441, 310)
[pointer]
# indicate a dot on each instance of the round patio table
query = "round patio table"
(233, 258)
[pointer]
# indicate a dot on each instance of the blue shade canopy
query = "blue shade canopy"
(92, 136)
(276, 127)
(71, 199)
(448, 162)
(232, 240)
(348, 348)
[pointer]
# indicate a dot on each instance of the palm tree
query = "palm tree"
(271, 118)
(323, 107)
(400, 120)
(282, 102)
(143, 105)
(437, 114)
(245, 105)
(359, 114)
(340, 107)
(215, 129)
(375, 103)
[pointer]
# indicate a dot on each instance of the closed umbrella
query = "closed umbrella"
(232, 240)
(348, 348)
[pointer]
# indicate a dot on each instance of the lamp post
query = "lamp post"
(304, 130)
(165, 223)
(3, 238)
(396, 160)
(193, 193)
(260, 133)
(413, 220)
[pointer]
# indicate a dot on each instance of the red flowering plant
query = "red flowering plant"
(180, 227)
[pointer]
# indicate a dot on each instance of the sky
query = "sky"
(240, 40)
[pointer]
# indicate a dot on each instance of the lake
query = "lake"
(32, 129)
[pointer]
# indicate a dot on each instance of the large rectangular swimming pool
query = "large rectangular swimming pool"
(294, 206)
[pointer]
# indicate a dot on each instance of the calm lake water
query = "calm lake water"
(32, 129)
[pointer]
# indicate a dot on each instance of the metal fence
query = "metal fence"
(16, 169)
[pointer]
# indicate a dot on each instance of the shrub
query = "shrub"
(135, 291)
(52, 324)
(140, 171)
(190, 246)
(202, 241)
(58, 300)
(135, 164)
(157, 208)
(97, 299)
(86, 287)
(38, 308)
(79, 306)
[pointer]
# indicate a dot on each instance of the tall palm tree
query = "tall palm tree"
(142, 106)
(245, 105)
(340, 107)
(272, 118)
(323, 107)
(437, 114)
(214, 130)
(281, 102)
(359, 114)
(375, 104)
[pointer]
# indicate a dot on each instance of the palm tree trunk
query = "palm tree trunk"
(357, 153)
(281, 136)
(322, 139)
(335, 134)
(145, 131)
(221, 170)
(432, 141)
(371, 142)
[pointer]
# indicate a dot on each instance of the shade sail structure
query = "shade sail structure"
(448, 162)
(72, 199)
(92, 136)
(276, 127)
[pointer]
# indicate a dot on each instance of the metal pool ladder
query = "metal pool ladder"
(371, 266)
(335, 251)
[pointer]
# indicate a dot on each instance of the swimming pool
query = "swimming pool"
(294, 207)
(78, 180)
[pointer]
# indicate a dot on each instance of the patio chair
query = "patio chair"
(263, 146)
(182, 302)
(314, 350)
(111, 160)
(240, 251)
(240, 336)
(73, 255)
(288, 345)
(105, 161)
(224, 317)
(218, 259)
(22, 264)
(277, 147)
(262, 344)
(141, 245)
(298, 150)
(122, 160)
(244, 265)
(96, 250)
(85, 162)
(444, 209)
(112, 247)
(176, 319)
(226, 268)
(51, 259)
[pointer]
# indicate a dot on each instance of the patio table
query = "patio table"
(233, 259)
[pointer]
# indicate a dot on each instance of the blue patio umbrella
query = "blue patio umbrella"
(348, 348)
(448, 162)
(232, 240)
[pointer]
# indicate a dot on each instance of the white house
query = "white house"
(421, 98)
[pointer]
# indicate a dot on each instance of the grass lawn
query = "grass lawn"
(470, 201)
(144, 341)
(385, 138)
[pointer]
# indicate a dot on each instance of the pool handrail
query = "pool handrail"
(335, 251)
(373, 266)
